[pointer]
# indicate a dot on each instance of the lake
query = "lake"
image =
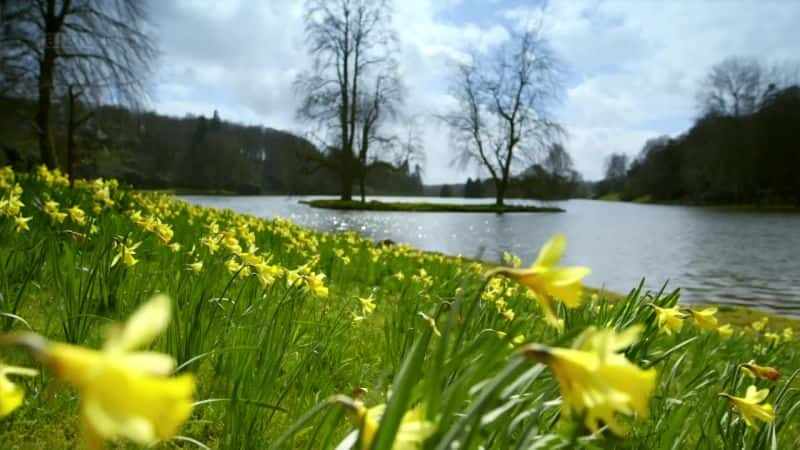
(713, 255)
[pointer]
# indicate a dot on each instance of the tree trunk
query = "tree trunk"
(501, 193)
(46, 69)
(362, 175)
(72, 124)
(346, 176)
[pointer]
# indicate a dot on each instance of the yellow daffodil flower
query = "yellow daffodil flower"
(547, 282)
(11, 395)
(21, 223)
(356, 318)
(704, 318)
(124, 393)
(788, 334)
(725, 330)
(755, 370)
(669, 319)
(126, 253)
(749, 407)
(196, 266)
(413, 431)
(77, 215)
(596, 380)
(367, 305)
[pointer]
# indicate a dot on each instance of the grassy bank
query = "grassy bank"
(745, 207)
(287, 331)
(375, 205)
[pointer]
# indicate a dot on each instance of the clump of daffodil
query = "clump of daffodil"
(303, 276)
(11, 395)
(7, 177)
(546, 282)
(512, 260)
(422, 278)
(124, 393)
(704, 318)
(669, 319)
(413, 431)
(340, 253)
(760, 324)
(597, 381)
(52, 211)
(755, 370)
(52, 177)
(750, 408)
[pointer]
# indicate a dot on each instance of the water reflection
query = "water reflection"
(727, 257)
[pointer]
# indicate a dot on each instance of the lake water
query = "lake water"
(713, 255)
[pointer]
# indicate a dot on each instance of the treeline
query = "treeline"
(150, 150)
(535, 183)
(744, 149)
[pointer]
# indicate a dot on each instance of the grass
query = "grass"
(274, 328)
(375, 205)
(611, 197)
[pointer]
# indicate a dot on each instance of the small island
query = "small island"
(375, 205)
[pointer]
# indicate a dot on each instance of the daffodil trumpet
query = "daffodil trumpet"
(758, 371)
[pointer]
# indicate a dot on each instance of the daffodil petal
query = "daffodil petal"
(551, 251)
(137, 429)
(152, 363)
(147, 322)
(562, 276)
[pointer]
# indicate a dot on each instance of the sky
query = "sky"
(633, 67)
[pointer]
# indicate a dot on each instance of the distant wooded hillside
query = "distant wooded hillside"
(150, 150)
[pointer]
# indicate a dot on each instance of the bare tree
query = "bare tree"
(409, 150)
(733, 87)
(87, 50)
(503, 101)
(616, 166)
(347, 39)
(558, 161)
(375, 109)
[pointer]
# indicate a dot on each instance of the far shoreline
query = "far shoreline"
(374, 205)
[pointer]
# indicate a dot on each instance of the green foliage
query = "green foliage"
(277, 362)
